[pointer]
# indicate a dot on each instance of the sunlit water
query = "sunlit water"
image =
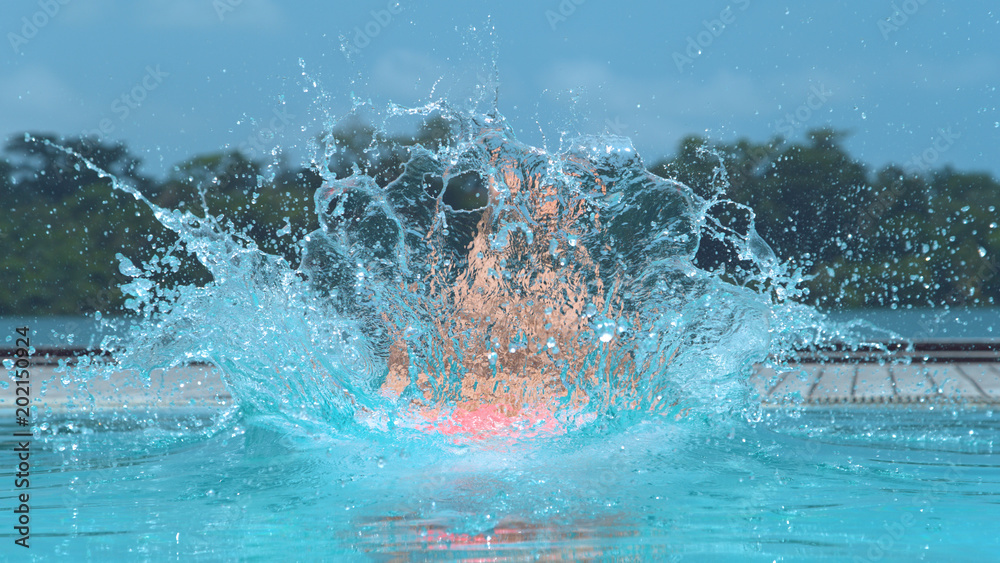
(548, 376)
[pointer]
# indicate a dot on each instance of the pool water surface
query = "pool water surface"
(835, 484)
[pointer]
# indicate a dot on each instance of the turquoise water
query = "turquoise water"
(547, 375)
(826, 485)
(971, 323)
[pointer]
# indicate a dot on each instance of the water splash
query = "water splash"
(569, 298)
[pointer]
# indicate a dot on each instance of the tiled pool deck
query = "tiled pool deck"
(966, 374)
(829, 384)
(929, 372)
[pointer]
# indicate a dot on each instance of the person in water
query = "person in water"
(517, 311)
(517, 338)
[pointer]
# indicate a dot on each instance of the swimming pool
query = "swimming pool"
(835, 484)
(549, 375)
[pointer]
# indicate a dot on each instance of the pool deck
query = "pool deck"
(928, 372)
(871, 384)
(932, 373)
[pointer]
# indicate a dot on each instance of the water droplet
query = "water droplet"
(605, 330)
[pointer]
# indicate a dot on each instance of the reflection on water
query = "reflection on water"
(789, 488)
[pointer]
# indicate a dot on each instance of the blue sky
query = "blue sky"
(181, 77)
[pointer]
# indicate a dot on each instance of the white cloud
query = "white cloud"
(34, 97)
(657, 110)
(256, 14)
(179, 14)
(87, 13)
(405, 76)
(949, 75)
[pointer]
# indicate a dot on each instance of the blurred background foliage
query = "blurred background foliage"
(890, 237)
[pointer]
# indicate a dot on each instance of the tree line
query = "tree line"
(868, 238)
(864, 237)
